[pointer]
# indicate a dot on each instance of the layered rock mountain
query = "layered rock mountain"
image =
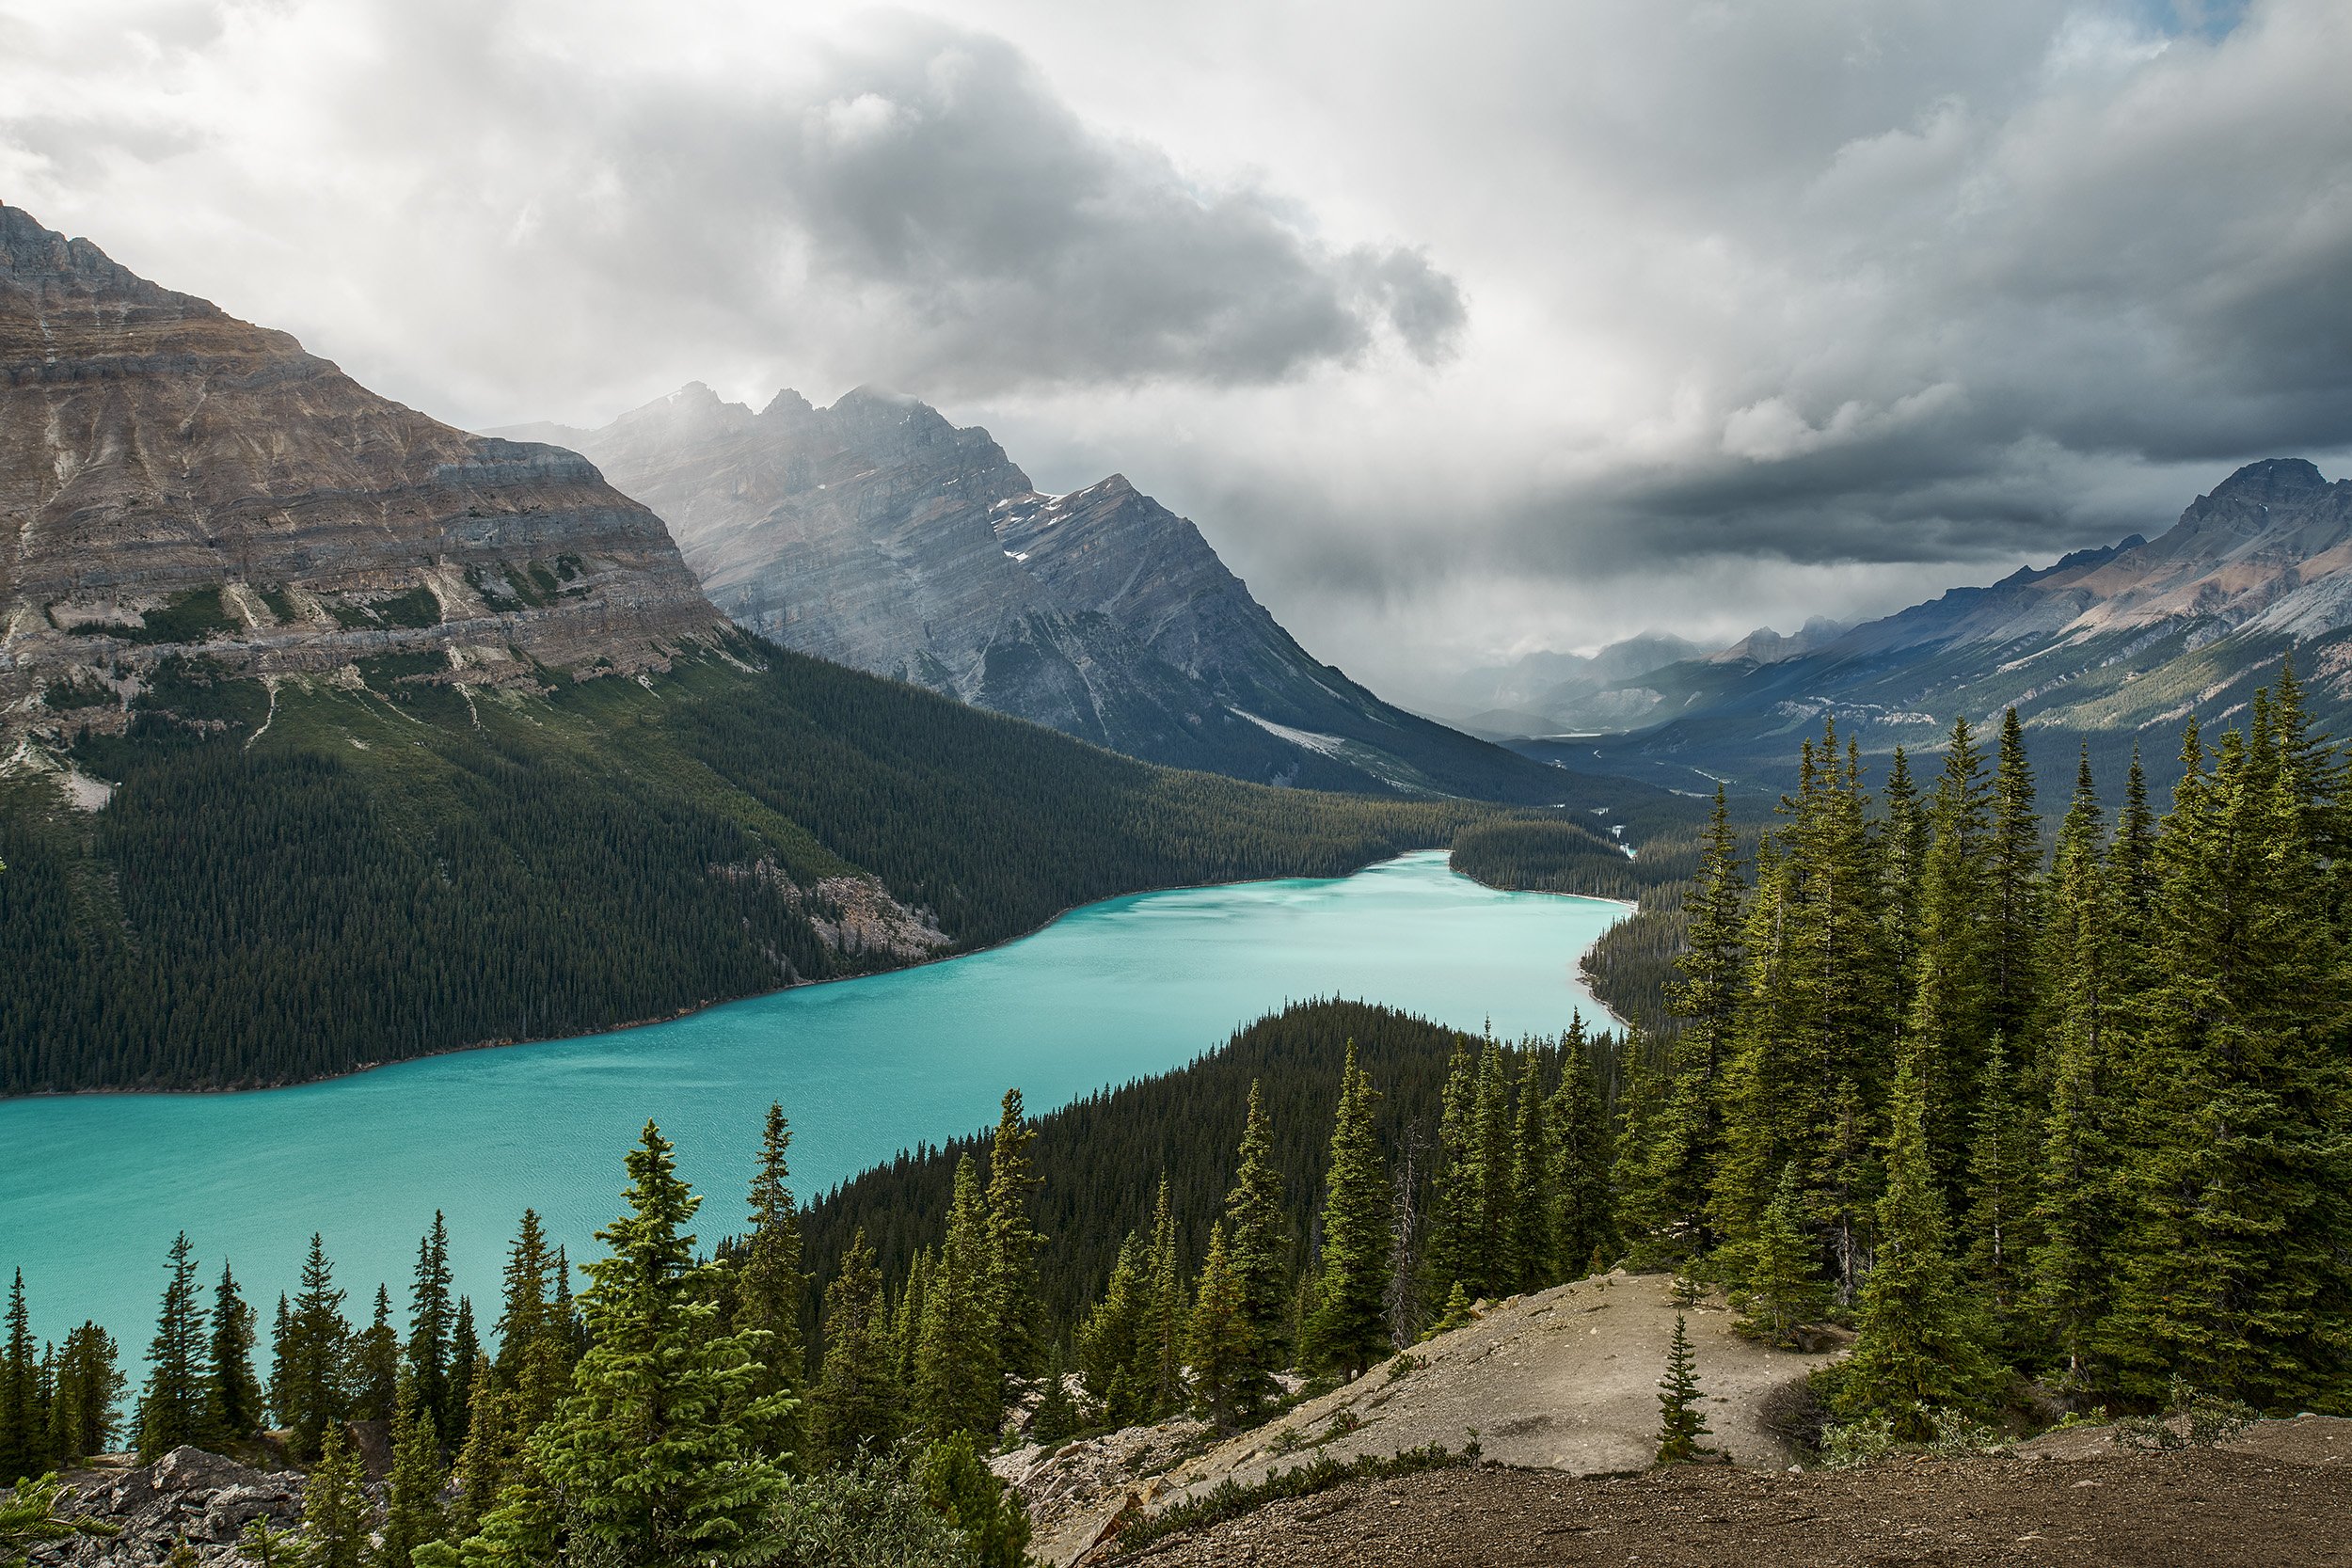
(878, 534)
(2105, 647)
(176, 483)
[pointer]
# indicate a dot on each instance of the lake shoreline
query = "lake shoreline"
(1058, 917)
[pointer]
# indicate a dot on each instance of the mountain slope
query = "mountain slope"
(173, 478)
(877, 535)
(309, 769)
(2109, 647)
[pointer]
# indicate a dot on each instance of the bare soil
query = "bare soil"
(2280, 1497)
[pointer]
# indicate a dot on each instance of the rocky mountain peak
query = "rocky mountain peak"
(177, 483)
(2271, 481)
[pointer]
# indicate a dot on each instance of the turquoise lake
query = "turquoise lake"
(92, 1187)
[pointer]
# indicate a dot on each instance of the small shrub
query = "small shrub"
(866, 1515)
(963, 1490)
(1230, 1499)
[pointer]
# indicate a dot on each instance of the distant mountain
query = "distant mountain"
(2114, 646)
(1555, 693)
(175, 481)
(879, 535)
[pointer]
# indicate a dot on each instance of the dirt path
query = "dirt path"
(2282, 1497)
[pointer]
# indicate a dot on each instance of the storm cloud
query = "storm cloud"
(1461, 334)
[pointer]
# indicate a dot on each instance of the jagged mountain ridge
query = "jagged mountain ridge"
(2107, 646)
(878, 534)
(174, 480)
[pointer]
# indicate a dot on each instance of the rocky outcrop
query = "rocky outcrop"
(188, 1494)
(176, 482)
(878, 534)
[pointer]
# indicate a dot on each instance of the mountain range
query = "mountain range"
(2112, 648)
(877, 535)
(337, 736)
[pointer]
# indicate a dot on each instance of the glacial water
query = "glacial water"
(92, 1187)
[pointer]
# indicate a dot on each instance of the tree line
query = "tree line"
(2075, 1120)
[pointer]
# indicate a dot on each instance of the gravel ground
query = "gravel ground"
(2279, 1497)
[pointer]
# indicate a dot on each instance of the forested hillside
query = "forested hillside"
(295, 883)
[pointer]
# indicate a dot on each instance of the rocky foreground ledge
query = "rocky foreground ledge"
(188, 1494)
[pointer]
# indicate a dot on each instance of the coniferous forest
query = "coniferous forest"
(286, 886)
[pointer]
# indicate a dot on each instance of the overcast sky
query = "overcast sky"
(1461, 330)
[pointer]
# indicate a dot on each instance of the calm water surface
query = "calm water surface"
(92, 1187)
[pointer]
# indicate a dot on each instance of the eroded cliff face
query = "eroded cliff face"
(175, 482)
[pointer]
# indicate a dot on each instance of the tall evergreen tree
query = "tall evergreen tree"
(2001, 1194)
(432, 1319)
(335, 1506)
(1951, 1016)
(373, 1381)
(1166, 1315)
(1782, 1293)
(413, 1514)
(1114, 1338)
(172, 1408)
(660, 1452)
(1451, 1256)
(1529, 1233)
(312, 1352)
(1013, 1243)
(769, 1285)
(1216, 1338)
(88, 1385)
(959, 1385)
(1584, 1221)
(1346, 1333)
(1257, 1233)
(1920, 1342)
(233, 1392)
(2014, 874)
(858, 1396)
(23, 1425)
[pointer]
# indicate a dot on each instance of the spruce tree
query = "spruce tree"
(1950, 1017)
(1345, 1332)
(1057, 1415)
(375, 1369)
(1257, 1233)
(2001, 1193)
(1111, 1341)
(172, 1408)
(87, 1387)
(1451, 1256)
(313, 1350)
(23, 1427)
(2014, 866)
(858, 1396)
(233, 1392)
(1680, 1422)
(412, 1512)
(768, 1283)
(958, 1383)
(660, 1452)
(432, 1319)
(1783, 1292)
(464, 1349)
(1491, 1272)
(1672, 1150)
(1161, 1371)
(1013, 1241)
(1920, 1342)
(1529, 1232)
(1584, 1222)
(1217, 1337)
(335, 1506)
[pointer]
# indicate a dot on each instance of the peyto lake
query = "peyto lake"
(92, 1187)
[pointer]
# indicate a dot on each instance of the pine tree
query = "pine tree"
(233, 1392)
(1583, 1220)
(375, 1369)
(412, 1512)
(1345, 1333)
(23, 1429)
(1492, 1272)
(431, 1322)
(2001, 1188)
(1113, 1338)
(1920, 1343)
(1216, 1339)
(858, 1394)
(314, 1344)
(464, 1349)
(1680, 1422)
(1782, 1293)
(659, 1452)
(171, 1410)
(2013, 865)
(770, 1285)
(958, 1383)
(1529, 1233)
(1257, 1234)
(1013, 1241)
(335, 1506)
(1903, 852)
(1057, 1415)
(487, 1458)
(1162, 1373)
(87, 1387)
(1451, 1256)
(1950, 1015)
